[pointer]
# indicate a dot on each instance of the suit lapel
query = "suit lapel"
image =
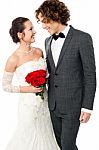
(51, 58)
(49, 54)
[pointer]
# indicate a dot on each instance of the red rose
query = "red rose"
(37, 79)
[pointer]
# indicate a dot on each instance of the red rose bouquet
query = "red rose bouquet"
(37, 79)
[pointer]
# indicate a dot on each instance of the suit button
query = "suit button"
(56, 86)
(56, 74)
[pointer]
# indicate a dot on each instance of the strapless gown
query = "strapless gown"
(34, 130)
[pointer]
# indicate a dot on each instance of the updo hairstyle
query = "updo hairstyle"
(17, 26)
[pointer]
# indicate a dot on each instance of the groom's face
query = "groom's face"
(50, 25)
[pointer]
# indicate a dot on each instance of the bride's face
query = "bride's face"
(28, 35)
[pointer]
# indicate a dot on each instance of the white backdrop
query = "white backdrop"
(84, 16)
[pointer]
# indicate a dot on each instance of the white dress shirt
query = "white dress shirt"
(56, 47)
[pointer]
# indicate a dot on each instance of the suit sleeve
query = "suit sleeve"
(89, 69)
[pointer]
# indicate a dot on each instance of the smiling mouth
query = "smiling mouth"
(33, 36)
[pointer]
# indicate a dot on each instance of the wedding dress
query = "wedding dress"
(34, 130)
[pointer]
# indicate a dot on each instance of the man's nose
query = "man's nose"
(43, 25)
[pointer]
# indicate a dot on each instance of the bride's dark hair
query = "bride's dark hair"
(17, 26)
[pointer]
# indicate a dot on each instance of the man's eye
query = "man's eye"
(44, 21)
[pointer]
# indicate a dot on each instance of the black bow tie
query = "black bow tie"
(61, 35)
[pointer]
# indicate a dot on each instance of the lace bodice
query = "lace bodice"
(28, 67)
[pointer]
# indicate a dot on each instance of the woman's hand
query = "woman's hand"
(30, 89)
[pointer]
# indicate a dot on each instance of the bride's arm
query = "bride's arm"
(10, 68)
(7, 85)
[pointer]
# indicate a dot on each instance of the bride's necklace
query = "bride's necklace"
(29, 51)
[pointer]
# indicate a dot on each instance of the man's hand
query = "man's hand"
(84, 117)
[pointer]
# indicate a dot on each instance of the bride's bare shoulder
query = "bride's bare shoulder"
(11, 62)
(38, 51)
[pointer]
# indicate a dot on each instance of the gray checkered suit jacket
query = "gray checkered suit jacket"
(72, 83)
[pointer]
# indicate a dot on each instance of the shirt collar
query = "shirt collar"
(65, 31)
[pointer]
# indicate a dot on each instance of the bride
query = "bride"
(34, 130)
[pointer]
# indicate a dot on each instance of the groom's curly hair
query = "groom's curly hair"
(53, 10)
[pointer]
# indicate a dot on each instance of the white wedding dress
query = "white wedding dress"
(34, 130)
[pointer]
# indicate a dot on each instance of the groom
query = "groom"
(72, 79)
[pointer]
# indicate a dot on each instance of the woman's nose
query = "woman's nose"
(34, 31)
